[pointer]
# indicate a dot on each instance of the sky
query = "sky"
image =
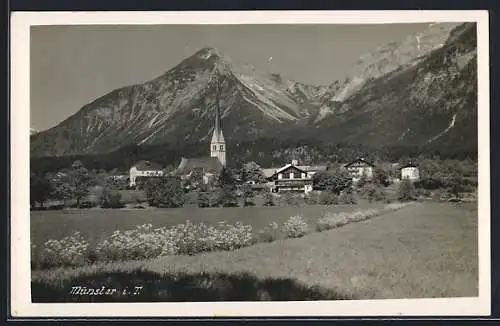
(73, 65)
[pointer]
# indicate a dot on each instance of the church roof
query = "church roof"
(217, 136)
(207, 164)
(147, 166)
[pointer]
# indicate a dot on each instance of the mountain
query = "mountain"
(419, 92)
(431, 101)
(385, 59)
(179, 106)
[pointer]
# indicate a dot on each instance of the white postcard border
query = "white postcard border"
(21, 305)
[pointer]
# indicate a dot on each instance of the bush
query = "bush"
(406, 191)
(69, 251)
(268, 233)
(144, 242)
(111, 199)
(248, 195)
(429, 184)
(312, 198)
(334, 220)
(228, 196)
(295, 227)
(269, 199)
(165, 192)
(203, 198)
(328, 198)
(347, 198)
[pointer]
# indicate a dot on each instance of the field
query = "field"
(426, 250)
(95, 224)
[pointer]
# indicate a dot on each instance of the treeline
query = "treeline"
(267, 152)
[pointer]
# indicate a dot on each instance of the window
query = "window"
(296, 175)
(215, 147)
(221, 147)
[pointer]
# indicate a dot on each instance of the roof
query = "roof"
(313, 168)
(217, 136)
(359, 160)
(408, 165)
(207, 164)
(147, 166)
(288, 166)
(269, 172)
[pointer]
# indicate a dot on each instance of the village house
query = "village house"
(359, 167)
(291, 178)
(144, 169)
(410, 171)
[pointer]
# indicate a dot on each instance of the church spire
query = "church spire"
(218, 144)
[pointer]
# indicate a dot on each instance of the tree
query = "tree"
(227, 184)
(40, 189)
(331, 180)
(251, 171)
(165, 192)
(203, 197)
(455, 186)
(111, 198)
(226, 178)
(248, 195)
(381, 177)
(406, 191)
(228, 197)
(79, 181)
(60, 186)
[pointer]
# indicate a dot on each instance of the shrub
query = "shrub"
(295, 227)
(228, 196)
(71, 250)
(203, 198)
(312, 198)
(334, 220)
(380, 194)
(248, 195)
(165, 192)
(347, 198)
(268, 199)
(268, 233)
(328, 198)
(406, 191)
(111, 199)
(144, 242)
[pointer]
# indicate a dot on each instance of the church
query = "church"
(206, 167)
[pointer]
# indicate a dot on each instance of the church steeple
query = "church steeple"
(218, 144)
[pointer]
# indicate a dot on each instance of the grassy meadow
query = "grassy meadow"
(423, 250)
(96, 224)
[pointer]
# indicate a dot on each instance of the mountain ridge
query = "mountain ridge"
(178, 106)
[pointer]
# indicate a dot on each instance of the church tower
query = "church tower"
(218, 144)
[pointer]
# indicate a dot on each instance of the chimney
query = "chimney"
(295, 162)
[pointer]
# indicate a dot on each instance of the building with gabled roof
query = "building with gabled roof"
(144, 169)
(410, 171)
(292, 178)
(359, 167)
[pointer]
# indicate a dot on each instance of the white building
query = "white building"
(144, 169)
(360, 167)
(410, 171)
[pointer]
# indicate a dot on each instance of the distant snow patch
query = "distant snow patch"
(452, 123)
